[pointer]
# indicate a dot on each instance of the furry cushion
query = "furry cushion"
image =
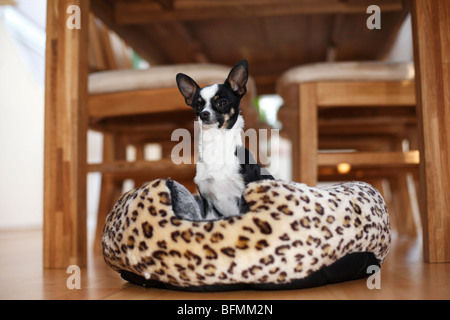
(293, 236)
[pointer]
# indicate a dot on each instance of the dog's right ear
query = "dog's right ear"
(188, 87)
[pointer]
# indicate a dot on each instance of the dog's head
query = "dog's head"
(216, 105)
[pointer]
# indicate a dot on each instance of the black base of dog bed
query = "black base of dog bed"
(351, 267)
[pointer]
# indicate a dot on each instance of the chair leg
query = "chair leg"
(308, 134)
(111, 188)
(140, 156)
(110, 191)
(402, 205)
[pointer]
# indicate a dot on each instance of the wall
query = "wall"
(21, 139)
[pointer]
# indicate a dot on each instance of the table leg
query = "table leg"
(65, 136)
(431, 25)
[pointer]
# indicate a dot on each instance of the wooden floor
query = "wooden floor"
(403, 276)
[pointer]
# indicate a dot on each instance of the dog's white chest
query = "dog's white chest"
(218, 169)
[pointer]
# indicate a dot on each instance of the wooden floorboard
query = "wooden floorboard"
(403, 276)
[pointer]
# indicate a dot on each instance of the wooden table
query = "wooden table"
(273, 35)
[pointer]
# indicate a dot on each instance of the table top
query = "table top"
(273, 35)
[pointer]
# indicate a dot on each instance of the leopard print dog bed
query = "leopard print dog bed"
(293, 236)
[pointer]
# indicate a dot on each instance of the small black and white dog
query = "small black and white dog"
(225, 166)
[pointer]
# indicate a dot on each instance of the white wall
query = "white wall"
(21, 139)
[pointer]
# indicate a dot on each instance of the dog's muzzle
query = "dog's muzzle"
(205, 116)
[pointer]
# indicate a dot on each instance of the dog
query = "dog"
(224, 166)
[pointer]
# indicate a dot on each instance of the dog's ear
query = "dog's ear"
(188, 87)
(237, 78)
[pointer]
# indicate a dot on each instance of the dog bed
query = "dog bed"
(293, 236)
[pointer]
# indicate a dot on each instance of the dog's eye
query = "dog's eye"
(222, 104)
(199, 105)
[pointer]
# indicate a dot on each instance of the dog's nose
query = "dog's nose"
(204, 115)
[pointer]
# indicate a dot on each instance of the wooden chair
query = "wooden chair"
(349, 121)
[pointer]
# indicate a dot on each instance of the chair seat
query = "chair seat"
(348, 71)
(156, 77)
(125, 93)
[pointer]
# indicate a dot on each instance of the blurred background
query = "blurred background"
(22, 78)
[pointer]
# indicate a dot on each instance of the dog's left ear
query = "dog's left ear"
(188, 87)
(237, 78)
